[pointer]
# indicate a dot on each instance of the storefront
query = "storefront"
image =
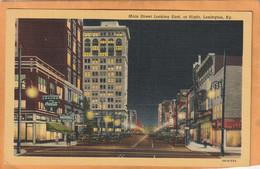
(205, 126)
(232, 132)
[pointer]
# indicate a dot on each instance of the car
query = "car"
(114, 137)
(96, 138)
(84, 139)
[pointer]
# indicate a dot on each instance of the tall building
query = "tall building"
(57, 42)
(106, 74)
(209, 76)
(132, 118)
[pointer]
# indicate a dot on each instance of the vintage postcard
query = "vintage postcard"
(128, 88)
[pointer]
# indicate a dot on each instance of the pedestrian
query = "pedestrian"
(57, 139)
(204, 140)
(68, 139)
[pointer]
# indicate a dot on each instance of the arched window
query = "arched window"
(103, 44)
(95, 47)
(111, 46)
(87, 47)
(118, 47)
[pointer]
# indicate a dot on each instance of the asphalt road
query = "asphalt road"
(134, 146)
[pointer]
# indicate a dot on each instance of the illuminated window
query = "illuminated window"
(87, 74)
(59, 92)
(103, 47)
(69, 59)
(69, 40)
(23, 76)
(23, 104)
(42, 84)
(79, 83)
(74, 45)
(95, 47)
(87, 47)
(74, 28)
(79, 35)
(69, 75)
(118, 47)
(69, 23)
(74, 63)
(75, 97)
(208, 84)
(52, 88)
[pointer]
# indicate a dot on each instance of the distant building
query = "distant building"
(165, 113)
(106, 74)
(139, 123)
(132, 119)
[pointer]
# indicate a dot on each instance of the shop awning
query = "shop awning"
(58, 127)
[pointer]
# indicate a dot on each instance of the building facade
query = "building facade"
(58, 42)
(132, 122)
(106, 74)
(34, 116)
(209, 77)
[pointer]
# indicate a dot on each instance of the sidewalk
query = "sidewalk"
(200, 147)
(50, 144)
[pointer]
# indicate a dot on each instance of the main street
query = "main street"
(133, 146)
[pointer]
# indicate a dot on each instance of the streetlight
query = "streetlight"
(31, 92)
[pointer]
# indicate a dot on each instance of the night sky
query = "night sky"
(161, 55)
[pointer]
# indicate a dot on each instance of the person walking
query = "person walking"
(57, 138)
(68, 139)
(204, 141)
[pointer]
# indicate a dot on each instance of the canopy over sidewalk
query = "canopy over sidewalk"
(58, 127)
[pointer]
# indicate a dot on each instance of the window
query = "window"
(118, 47)
(118, 73)
(74, 79)
(78, 82)
(69, 23)
(94, 93)
(52, 88)
(74, 45)
(110, 99)
(94, 73)
(87, 80)
(102, 93)
(74, 63)
(220, 110)
(103, 73)
(95, 47)
(69, 40)
(69, 59)
(79, 50)
(87, 67)
(23, 76)
(75, 97)
(118, 93)
(110, 93)
(102, 67)
(87, 87)
(79, 67)
(94, 60)
(69, 75)
(87, 60)
(23, 104)
(118, 80)
(110, 47)
(103, 47)
(87, 74)
(79, 35)
(118, 60)
(74, 28)
(102, 80)
(87, 47)
(42, 84)
(95, 80)
(94, 67)
(102, 86)
(102, 60)
(59, 91)
(110, 87)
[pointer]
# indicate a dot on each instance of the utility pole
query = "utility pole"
(19, 101)
(223, 105)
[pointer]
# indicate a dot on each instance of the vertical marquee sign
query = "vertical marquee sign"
(51, 102)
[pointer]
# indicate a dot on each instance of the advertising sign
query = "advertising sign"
(51, 102)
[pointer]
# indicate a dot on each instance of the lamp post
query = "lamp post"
(30, 92)
(221, 84)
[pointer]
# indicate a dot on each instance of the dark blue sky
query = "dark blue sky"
(161, 55)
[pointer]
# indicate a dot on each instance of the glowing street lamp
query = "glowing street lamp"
(117, 122)
(31, 92)
(90, 115)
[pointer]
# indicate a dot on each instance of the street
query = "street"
(133, 146)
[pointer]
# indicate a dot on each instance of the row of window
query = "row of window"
(94, 34)
(75, 66)
(101, 67)
(109, 106)
(76, 47)
(109, 74)
(217, 111)
(102, 93)
(103, 87)
(102, 60)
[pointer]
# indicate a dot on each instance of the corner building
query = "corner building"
(58, 42)
(105, 74)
